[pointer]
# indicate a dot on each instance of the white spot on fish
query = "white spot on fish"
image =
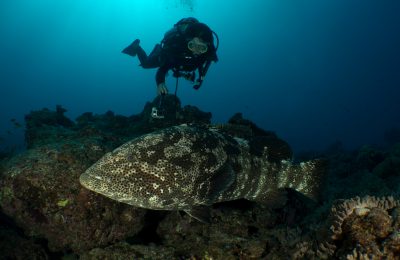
(153, 200)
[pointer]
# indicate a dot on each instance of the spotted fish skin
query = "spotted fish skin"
(182, 167)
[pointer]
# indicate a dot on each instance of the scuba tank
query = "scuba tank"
(178, 30)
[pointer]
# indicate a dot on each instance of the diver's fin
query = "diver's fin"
(201, 213)
(132, 49)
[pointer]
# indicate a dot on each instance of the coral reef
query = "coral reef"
(27, 249)
(46, 214)
(357, 207)
(365, 228)
(124, 250)
(45, 119)
(356, 228)
(41, 191)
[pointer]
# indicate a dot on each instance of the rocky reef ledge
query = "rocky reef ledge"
(46, 214)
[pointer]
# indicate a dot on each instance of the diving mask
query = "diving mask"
(197, 46)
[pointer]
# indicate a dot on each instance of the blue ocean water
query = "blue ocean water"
(315, 72)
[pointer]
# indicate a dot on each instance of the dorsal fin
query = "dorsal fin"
(272, 147)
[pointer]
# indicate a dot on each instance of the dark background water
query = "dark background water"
(313, 71)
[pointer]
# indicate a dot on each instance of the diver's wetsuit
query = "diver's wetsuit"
(173, 53)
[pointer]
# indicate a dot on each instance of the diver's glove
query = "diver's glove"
(197, 84)
(162, 89)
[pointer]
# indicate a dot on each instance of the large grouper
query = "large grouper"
(189, 168)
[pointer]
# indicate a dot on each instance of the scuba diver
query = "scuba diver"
(187, 47)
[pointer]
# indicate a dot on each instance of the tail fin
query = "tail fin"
(306, 177)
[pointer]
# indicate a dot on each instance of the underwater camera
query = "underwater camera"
(155, 113)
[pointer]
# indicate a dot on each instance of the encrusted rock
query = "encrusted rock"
(124, 250)
(357, 205)
(362, 228)
(40, 190)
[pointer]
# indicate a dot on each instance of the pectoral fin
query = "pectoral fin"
(221, 181)
(201, 213)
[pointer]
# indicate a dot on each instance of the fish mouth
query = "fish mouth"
(90, 181)
(85, 180)
(97, 184)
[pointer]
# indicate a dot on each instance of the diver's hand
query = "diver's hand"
(162, 89)
(197, 84)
